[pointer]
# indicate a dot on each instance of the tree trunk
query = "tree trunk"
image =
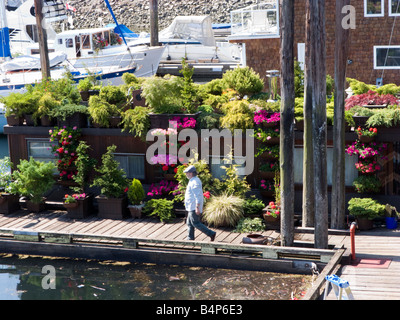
(42, 35)
(316, 91)
(154, 23)
(338, 162)
(287, 122)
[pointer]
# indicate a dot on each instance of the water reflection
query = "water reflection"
(21, 278)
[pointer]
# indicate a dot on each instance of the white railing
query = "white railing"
(256, 20)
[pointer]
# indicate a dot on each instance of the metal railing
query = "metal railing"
(258, 19)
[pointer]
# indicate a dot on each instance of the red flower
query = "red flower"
(60, 150)
(176, 170)
(207, 194)
(165, 168)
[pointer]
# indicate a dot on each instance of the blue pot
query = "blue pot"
(391, 223)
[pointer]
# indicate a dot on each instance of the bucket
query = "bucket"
(391, 223)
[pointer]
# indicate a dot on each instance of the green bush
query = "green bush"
(110, 179)
(100, 110)
(136, 192)
(136, 121)
(161, 208)
(112, 95)
(246, 225)
(367, 184)
(238, 115)
(243, 80)
(365, 208)
(67, 110)
(33, 179)
(253, 206)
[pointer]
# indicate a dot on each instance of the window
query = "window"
(40, 150)
(60, 41)
(374, 8)
(132, 164)
(69, 43)
(85, 41)
(351, 172)
(218, 172)
(394, 7)
(386, 57)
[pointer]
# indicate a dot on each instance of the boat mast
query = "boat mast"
(42, 37)
(4, 33)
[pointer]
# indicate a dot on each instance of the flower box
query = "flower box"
(112, 208)
(136, 211)
(78, 120)
(80, 209)
(13, 120)
(9, 203)
(46, 121)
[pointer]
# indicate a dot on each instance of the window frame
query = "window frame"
(376, 67)
(51, 158)
(371, 15)
(391, 14)
(126, 155)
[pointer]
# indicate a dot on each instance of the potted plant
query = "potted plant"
(161, 208)
(47, 104)
(9, 202)
(71, 115)
(367, 184)
(391, 216)
(13, 106)
(136, 121)
(83, 200)
(267, 188)
(223, 210)
(102, 113)
(33, 179)
(366, 135)
(136, 196)
(365, 210)
(272, 215)
(84, 85)
(113, 185)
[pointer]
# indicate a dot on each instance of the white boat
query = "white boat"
(85, 48)
(191, 37)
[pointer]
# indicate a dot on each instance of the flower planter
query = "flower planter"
(29, 120)
(13, 120)
(272, 222)
(9, 203)
(112, 208)
(267, 174)
(169, 176)
(365, 139)
(270, 124)
(255, 239)
(115, 122)
(46, 121)
(78, 120)
(162, 120)
(80, 209)
(35, 207)
(136, 211)
(364, 224)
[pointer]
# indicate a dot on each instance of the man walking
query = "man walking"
(194, 204)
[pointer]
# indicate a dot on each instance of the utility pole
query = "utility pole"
(287, 121)
(154, 23)
(42, 34)
(315, 100)
(338, 162)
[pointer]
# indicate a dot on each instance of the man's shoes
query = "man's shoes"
(213, 236)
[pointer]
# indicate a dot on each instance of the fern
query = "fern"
(136, 121)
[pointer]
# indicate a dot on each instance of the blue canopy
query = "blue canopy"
(123, 30)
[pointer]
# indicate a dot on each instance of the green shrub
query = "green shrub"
(253, 206)
(67, 110)
(384, 118)
(136, 192)
(83, 163)
(243, 80)
(33, 179)
(85, 84)
(136, 121)
(246, 225)
(365, 208)
(100, 110)
(238, 115)
(223, 210)
(367, 184)
(110, 179)
(161, 208)
(112, 95)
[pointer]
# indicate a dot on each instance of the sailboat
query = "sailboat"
(72, 51)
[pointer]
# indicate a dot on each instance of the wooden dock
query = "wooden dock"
(53, 233)
(374, 274)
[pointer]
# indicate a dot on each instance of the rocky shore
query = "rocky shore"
(135, 13)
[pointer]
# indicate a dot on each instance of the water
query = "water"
(23, 278)
(3, 146)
